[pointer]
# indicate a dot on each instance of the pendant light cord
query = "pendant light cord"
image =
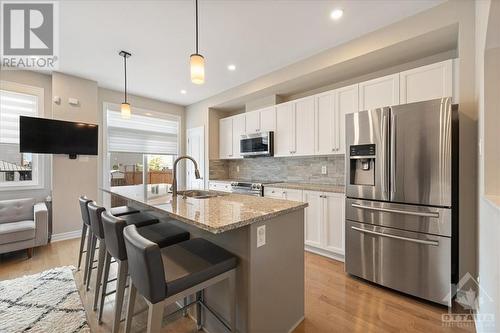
(125, 66)
(196, 5)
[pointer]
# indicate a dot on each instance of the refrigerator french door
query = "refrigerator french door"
(401, 221)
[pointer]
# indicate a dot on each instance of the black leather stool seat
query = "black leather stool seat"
(191, 262)
(139, 219)
(123, 210)
(163, 233)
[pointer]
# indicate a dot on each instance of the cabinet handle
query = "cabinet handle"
(257, 130)
(323, 196)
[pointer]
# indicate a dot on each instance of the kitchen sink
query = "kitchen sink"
(198, 194)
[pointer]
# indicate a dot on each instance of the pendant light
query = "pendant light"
(125, 107)
(196, 60)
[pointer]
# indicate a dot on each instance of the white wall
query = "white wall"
(487, 35)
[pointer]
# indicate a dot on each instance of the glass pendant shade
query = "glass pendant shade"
(125, 111)
(197, 68)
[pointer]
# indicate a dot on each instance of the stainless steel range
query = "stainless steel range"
(402, 198)
(255, 188)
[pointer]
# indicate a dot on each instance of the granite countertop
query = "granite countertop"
(216, 214)
(295, 186)
(310, 187)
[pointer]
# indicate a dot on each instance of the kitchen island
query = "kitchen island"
(270, 273)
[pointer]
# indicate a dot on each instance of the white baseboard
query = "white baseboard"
(66, 235)
(324, 253)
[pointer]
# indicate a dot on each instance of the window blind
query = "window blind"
(13, 105)
(155, 134)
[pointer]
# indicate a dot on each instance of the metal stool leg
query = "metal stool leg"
(121, 281)
(91, 260)
(130, 308)
(104, 285)
(87, 255)
(100, 265)
(199, 298)
(155, 315)
(82, 243)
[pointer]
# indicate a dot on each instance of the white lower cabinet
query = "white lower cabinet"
(324, 223)
(324, 219)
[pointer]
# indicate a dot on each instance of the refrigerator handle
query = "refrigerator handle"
(385, 152)
(393, 156)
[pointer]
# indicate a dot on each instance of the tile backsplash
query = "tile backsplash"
(289, 169)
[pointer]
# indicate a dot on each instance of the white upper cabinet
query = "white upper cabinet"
(304, 124)
(331, 108)
(238, 130)
(346, 101)
(226, 138)
(268, 119)
(263, 120)
(252, 122)
(379, 92)
(284, 137)
(427, 82)
(326, 130)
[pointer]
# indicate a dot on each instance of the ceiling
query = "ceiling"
(256, 36)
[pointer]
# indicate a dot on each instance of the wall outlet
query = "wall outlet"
(323, 170)
(237, 168)
(261, 236)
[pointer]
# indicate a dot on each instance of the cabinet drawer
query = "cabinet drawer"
(273, 192)
(222, 187)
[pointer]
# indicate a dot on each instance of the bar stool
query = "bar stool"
(83, 201)
(116, 211)
(153, 273)
(162, 233)
(95, 211)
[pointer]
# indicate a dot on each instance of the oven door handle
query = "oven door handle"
(397, 211)
(419, 241)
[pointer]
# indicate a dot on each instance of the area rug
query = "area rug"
(46, 302)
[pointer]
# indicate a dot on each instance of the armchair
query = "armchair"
(23, 225)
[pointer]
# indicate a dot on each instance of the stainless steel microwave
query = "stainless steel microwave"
(257, 144)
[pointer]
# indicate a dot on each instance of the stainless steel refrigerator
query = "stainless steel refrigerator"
(402, 198)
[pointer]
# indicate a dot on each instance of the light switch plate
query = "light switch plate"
(323, 170)
(261, 236)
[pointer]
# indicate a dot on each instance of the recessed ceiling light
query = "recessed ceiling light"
(148, 114)
(184, 92)
(231, 67)
(336, 14)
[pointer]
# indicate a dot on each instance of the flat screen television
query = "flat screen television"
(49, 136)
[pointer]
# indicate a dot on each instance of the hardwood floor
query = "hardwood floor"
(335, 302)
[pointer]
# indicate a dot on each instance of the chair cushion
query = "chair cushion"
(164, 233)
(16, 210)
(139, 219)
(191, 262)
(123, 210)
(17, 231)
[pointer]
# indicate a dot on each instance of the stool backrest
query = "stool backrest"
(84, 201)
(145, 265)
(95, 212)
(113, 235)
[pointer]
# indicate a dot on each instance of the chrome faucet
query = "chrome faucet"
(174, 173)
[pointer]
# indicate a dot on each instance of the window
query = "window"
(18, 169)
(142, 149)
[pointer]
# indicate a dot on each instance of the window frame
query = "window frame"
(104, 134)
(38, 160)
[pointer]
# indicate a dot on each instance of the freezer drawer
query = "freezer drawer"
(429, 220)
(413, 263)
